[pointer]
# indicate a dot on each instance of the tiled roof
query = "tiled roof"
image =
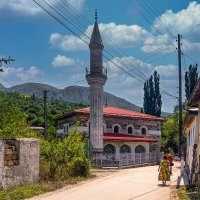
(119, 112)
(118, 136)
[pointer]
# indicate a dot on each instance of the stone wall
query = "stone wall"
(19, 161)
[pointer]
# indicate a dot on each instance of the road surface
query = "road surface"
(126, 184)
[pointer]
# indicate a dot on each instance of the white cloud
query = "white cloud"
(131, 63)
(121, 35)
(167, 71)
(77, 4)
(63, 61)
(21, 6)
(185, 21)
(21, 73)
(67, 42)
(125, 36)
(29, 7)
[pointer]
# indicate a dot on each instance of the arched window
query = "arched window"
(109, 149)
(140, 149)
(116, 129)
(66, 128)
(144, 131)
(130, 130)
(125, 149)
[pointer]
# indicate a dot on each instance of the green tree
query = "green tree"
(170, 130)
(62, 158)
(191, 77)
(152, 97)
(157, 95)
(13, 122)
(169, 137)
(146, 107)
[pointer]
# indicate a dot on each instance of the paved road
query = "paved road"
(128, 184)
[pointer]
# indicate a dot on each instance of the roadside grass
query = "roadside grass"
(189, 192)
(182, 193)
(30, 190)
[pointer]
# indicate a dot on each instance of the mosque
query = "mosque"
(112, 131)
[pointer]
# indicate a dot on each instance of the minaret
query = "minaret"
(96, 77)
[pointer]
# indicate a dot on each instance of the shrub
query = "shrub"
(79, 167)
(62, 158)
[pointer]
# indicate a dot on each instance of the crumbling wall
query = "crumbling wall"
(19, 161)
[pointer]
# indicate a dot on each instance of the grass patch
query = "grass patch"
(182, 193)
(189, 192)
(30, 190)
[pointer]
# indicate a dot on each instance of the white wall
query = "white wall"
(191, 135)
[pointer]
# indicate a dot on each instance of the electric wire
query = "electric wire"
(148, 21)
(57, 19)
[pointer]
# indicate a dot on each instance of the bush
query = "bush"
(60, 159)
(79, 167)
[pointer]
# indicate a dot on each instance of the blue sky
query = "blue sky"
(139, 37)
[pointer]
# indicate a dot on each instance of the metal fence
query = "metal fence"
(125, 160)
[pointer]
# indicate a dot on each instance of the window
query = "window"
(66, 128)
(109, 149)
(130, 130)
(125, 149)
(116, 129)
(140, 149)
(144, 131)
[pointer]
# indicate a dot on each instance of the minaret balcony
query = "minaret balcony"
(96, 77)
(98, 72)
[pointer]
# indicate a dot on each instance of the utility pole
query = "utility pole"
(89, 141)
(180, 96)
(45, 114)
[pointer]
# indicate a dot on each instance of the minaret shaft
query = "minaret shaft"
(96, 116)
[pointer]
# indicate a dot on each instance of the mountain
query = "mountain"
(73, 94)
(2, 88)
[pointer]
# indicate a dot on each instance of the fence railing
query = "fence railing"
(125, 160)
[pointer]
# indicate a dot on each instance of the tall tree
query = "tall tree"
(152, 97)
(157, 95)
(191, 77)
(146, 97)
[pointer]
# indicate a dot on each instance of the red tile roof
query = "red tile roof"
(119, 112)
(118, 136)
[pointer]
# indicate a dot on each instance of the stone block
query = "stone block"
(19, 161)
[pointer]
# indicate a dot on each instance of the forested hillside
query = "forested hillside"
(33, 108)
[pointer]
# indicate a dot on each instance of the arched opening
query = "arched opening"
(109, 149)
(140, 149)
(66, 128)
(130, 130)
(125, 149)
(144, 131)
(116, 129)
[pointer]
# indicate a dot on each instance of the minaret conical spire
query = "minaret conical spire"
(96, 36)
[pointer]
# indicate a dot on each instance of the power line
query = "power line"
(6, 81)
(148, 21)
(57, 19)
(161, 16)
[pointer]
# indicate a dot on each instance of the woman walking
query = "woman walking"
(164, 173)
